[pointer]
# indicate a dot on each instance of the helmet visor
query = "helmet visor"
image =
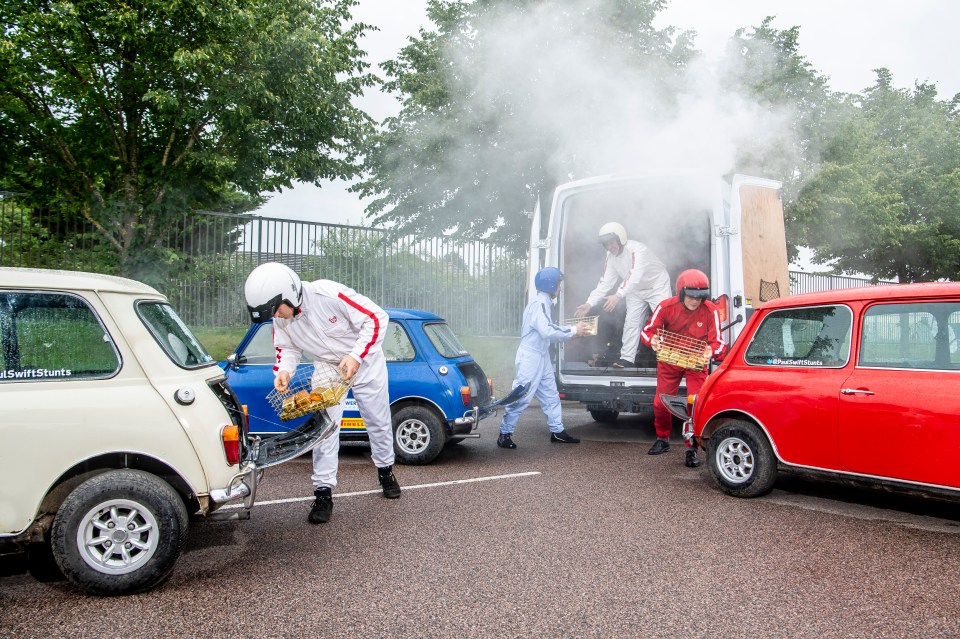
(266, 311)
(606, 237)
(697, 293)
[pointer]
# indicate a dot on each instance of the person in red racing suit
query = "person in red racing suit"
(692, 315)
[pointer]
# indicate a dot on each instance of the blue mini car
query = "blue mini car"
(438, 393)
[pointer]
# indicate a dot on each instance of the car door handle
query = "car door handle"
(855, 391)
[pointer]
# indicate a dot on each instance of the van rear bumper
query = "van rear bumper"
(622, 399)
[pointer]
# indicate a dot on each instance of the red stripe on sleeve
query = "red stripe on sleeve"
(371, 315)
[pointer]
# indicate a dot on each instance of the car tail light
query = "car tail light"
(691, 401)
(465, 395)
(490, 385)
(246, 417)
(723, 306)
(230, 436)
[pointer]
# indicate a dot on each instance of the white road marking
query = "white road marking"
(377, 491)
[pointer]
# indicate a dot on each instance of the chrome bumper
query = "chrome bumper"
(243, 485)
(467, 425)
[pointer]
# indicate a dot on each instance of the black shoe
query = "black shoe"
(389, 484)
(623, 363)
(322, 506)
(564, 438)
(504, 441)
(659, 447)
(693, 460)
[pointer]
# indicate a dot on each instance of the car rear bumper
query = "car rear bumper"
(243, 486)
(466, 425)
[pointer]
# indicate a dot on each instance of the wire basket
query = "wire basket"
(309, 391)
(681, 350)
(589, 322)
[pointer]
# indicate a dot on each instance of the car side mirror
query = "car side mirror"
(234, 360)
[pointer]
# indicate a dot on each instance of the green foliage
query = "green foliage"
(886, 201)
(470, 153)
(126, 114)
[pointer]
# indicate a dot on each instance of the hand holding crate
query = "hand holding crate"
(589, 324)
(309, 391)
(681, 350)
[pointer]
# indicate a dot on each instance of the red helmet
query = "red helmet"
(693, 283)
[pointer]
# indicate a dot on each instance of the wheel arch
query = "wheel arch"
(721, 419)
(421, 402)
(99, 464)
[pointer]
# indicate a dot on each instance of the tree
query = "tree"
(128, 112)
(886, 201)
(492, 100)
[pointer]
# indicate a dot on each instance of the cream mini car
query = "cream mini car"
(117, 428)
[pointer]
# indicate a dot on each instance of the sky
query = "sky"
(843, 39)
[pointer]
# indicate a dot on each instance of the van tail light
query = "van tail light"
(465, 395)
(723, 308)
(230, 436)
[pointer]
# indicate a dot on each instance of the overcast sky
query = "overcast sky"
(843, 39)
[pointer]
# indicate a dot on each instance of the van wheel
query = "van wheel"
(119, 533)
(605, 416)
(418, 435)
(741, 460)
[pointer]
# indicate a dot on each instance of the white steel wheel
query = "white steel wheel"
(117, 536)
(735, 461)
(418, 435)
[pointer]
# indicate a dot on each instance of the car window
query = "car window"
(806, 337)
(443, 339)
(52, 336)
(260, 348)
(397, 346)
(920, 335)
(172, 334)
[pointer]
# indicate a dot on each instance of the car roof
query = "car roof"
(41, 278)
(868, 293)
(411, 314)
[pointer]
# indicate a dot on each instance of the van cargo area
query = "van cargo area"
(731, 230)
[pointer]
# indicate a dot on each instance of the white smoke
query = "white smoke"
(556, 72)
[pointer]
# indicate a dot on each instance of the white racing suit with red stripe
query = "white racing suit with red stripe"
(644, 284)
(335, 321)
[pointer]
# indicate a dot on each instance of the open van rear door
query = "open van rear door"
(756, 212)
(535, 255)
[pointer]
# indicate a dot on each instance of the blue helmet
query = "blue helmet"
(548, 280)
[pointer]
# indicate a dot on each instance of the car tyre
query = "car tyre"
(119, 533)
(418, 435)
(605, 416)
(741, 460)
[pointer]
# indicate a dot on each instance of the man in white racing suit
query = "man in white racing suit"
(644, 283)
(340, 328)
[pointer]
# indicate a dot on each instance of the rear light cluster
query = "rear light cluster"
(230, 436)
(466, 394)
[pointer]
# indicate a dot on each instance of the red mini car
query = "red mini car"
(855, 384)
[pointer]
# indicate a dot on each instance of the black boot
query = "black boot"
(659, 447)
(504, 441)
(693, 460)
(389, 484)
(322, 506)
(564, 438)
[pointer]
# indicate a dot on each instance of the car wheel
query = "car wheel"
(605, 416)
(418, 435)
(119, 533)
(741, 460)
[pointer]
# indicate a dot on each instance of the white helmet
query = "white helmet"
(267, 287)
(613, 231)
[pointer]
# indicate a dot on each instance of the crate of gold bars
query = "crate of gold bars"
(681, 350)
(310, 389)
(590, 323)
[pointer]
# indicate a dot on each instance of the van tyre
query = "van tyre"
(119, 533)
(741, 460)
(605, 416)
(418, 435)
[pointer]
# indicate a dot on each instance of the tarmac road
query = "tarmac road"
(548, 540)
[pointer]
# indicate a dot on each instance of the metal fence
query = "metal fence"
(478, 287)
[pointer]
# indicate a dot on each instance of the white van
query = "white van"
(733, 230)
